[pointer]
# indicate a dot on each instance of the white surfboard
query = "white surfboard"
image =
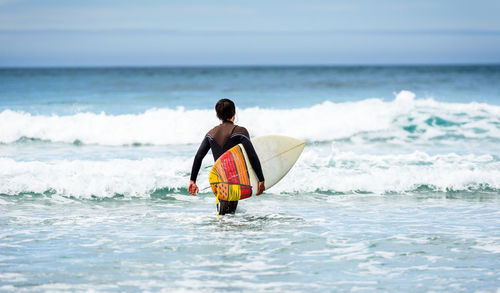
(277, 155)
(233, 177)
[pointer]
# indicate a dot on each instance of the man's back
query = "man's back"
(220, 139)
(225, 136)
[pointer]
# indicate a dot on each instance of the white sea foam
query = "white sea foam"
(85, 179)
(344, 172)
(403, 119)
(352, 172)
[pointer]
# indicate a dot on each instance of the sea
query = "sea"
(397, 190)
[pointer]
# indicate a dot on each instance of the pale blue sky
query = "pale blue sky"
(148, 32)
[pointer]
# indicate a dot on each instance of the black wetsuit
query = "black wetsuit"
(220, 139)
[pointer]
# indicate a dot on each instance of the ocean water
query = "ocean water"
(398, 188)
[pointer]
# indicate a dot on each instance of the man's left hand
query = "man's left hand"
(261, 187)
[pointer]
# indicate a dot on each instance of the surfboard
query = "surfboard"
(232, 177)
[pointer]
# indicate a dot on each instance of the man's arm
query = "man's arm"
(254, 159)
(200, 154)
(255, 162)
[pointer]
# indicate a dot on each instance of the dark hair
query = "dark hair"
(225, 109)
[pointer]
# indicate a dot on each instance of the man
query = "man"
(220, 139)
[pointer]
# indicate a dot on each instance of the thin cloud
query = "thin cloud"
(181, 32)
(4, 2)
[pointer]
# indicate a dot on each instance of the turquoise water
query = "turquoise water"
(277, 243)
(397, 189)
(134, 90)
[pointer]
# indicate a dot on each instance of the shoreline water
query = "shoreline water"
(276, 242)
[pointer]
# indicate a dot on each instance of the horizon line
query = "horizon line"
(409, 64)
(482, 32)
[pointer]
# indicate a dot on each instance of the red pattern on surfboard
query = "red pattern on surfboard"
(231, 173)
(246, 191)
(230, 168)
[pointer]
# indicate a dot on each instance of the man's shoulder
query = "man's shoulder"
(241, 131)
(212, 131)
(227, 130)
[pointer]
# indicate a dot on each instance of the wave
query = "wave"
(334, 173)
(403, 120)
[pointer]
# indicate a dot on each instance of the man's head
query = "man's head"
(225, 109)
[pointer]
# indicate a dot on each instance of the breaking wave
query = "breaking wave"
(335, 173)
(403, 120)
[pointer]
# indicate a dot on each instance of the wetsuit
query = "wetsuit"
(220, 139)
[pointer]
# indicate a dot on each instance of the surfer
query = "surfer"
(220, 139)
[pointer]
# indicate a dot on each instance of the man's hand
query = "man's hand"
(260, 188)
(193, 189)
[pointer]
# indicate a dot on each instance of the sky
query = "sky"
(157, 33)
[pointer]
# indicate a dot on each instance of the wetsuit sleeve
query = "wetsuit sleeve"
(252, 155)
(202, 151)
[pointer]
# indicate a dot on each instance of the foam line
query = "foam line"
(403, 120)
(343, 172)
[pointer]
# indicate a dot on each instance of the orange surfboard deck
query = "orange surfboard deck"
(229, 176)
